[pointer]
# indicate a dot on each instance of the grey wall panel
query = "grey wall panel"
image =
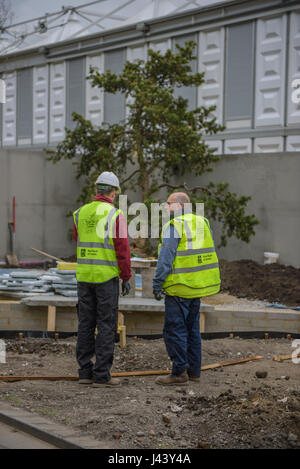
(273, 183)
(114, 104)
(1, 112)
(44, 193)
(187, 92)
(75, 90)
(24, 104)
(239, 72)
(2, 98)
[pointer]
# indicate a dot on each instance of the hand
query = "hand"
(158, 294)
(125, 288)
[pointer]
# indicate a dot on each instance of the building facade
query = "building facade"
(250, 53)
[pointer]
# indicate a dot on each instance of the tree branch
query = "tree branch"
(131, 175)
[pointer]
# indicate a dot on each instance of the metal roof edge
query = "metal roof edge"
(250, 6)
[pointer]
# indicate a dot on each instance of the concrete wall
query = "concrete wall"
(44, 194)
(272, 180)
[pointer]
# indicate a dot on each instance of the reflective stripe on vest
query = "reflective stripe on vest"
(185, 270)
(96, 256)
(195, 271)
(97, 262)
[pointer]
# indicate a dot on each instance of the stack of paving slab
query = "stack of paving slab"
(50, 282)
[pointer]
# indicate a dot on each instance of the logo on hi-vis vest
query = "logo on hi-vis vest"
(83, 252)
(205, 258)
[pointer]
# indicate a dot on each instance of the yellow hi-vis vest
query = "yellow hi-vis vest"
(96, 256)
(195, 271)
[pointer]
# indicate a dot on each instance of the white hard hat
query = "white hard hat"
(108, 179)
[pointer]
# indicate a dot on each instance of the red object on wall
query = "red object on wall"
(14, 214)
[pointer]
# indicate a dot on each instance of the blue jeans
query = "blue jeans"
(182, 334)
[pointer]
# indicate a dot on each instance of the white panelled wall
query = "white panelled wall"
(57, 101)
(211, 61)
(94, 96)
(277, 66)
(293, 114)
(40, 104)
(270, 71)
(9, 110)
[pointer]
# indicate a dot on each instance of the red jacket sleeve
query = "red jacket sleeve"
(75, 237)
(121, 244)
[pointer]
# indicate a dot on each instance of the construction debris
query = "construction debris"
(286, 357)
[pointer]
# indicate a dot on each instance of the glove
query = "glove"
(125, 288)
(158, 294)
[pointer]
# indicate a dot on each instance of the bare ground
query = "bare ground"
(230, 408)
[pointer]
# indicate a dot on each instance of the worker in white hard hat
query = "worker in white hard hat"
(103, 256)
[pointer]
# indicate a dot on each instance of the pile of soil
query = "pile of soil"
(231, 407)
(271, 282)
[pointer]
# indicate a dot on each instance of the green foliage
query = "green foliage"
(159, 139)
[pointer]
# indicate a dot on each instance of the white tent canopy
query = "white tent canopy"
(89, 18)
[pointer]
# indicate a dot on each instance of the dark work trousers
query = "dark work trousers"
(182, 334)
(97, 306)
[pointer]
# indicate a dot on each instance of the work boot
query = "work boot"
(194, 378)
(113, 382)
(85, 381)
(170, 380)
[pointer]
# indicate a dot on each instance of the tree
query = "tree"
(160, 139)
(6, 14)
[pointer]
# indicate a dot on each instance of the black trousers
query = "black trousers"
(97, 306)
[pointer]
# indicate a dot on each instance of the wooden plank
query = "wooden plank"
(233, 362)
(202, 321)
(9, 301)
(120, 319)
(123, 336)
(285, 357)
(51, 318)
(47, 255)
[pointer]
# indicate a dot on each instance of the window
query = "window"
(24, 106)
(75, 90)
(239, 75)
(114, 104)
(187, 92)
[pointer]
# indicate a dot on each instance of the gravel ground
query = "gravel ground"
(230, 408)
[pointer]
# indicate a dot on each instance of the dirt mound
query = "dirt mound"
(272, 282)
